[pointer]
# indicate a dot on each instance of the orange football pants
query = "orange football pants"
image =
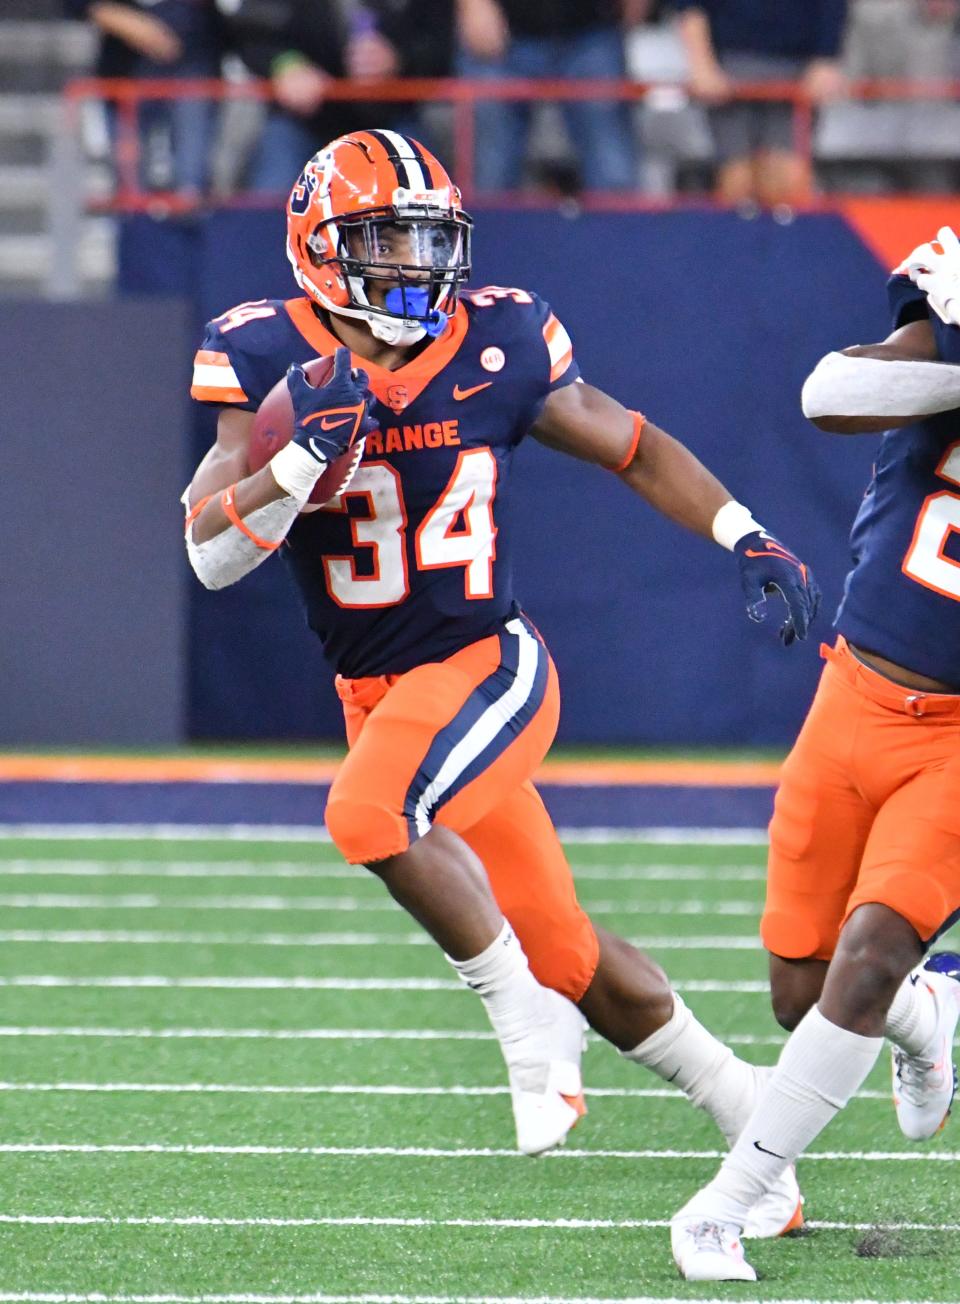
(456, 742)
(868, 810)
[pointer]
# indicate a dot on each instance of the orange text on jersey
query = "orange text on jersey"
(403, 439)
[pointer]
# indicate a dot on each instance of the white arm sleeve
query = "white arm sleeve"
(843, 386)
(230, 555)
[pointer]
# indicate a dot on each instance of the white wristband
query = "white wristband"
(296, 471)
(731, 523)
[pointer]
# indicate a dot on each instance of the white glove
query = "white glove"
(936, 271)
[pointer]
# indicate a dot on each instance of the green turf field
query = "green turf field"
(234, 1069)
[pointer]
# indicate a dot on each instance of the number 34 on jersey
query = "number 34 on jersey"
(458, 530)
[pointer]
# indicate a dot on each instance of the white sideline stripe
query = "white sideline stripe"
(343, 1089)
(295, 904)
(748, 986)
(242, 869)
(146, 937)
(558, 1224)
(49, 1297)
(245, 984)
(301, 1034)
(748, 837)
(441, 1152)
(149, 937)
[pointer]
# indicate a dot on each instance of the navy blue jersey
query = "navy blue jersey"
(410, 563)
(902, 598)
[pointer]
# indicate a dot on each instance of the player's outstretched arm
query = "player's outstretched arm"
(873, 387)
(588, 424)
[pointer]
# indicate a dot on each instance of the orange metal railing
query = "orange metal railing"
(462, 96)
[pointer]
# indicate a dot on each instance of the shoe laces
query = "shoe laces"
(709, 1237)
(912, 1074)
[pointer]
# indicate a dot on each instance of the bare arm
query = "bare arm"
(226, 464)
(141, 31)
(708, 81)
(588, 424)
(848, 393)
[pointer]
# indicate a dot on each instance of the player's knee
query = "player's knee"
(364, 830)
(877, 949)
(789, 1007)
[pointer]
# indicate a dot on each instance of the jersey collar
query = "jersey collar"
(396, 389)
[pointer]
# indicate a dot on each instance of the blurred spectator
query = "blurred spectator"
(300, 45)
(149, 40)
(901, 38)
(730, 41)
(549, 38)
(899, 144)
(401, 38)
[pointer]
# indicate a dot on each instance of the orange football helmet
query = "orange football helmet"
(375, 206)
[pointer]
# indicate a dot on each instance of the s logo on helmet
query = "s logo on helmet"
(303, 191)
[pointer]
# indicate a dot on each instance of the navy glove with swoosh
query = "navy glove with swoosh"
(329, 418)
(766, 566)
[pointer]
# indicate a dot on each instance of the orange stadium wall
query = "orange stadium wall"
(706, 322)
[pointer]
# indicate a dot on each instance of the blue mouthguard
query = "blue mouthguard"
(414, 302)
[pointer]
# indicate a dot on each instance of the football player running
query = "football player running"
(864, 866)
(450, 697)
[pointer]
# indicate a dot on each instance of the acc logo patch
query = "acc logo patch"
(493, 359)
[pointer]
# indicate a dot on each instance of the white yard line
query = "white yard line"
(341, 1089)
(747, 986)
(162, 937)
(442, 1152)
(53, 1297)
(19, 867)
(548, 1224)
(713, 837)
(300, 1034)
(294, 904)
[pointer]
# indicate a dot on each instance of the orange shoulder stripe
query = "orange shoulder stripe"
(217, 394)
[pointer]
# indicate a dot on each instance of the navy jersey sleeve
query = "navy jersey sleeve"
(236, 363)
(908, 303)
(559, 365)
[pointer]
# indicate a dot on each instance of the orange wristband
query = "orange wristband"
(195, 511)
(639, 421)
(230, 511)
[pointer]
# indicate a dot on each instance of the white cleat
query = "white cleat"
(778, 1212)
(546, 1088)
(924, 1084)
(705, 1250)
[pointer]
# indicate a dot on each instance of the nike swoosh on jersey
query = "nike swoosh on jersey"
(460, 394)
(327, 424)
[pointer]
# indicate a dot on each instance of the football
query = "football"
(273, 428)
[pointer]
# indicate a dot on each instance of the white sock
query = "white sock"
(706, 1071)
(912, 1019)
(502, 979)
(821, 1067)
